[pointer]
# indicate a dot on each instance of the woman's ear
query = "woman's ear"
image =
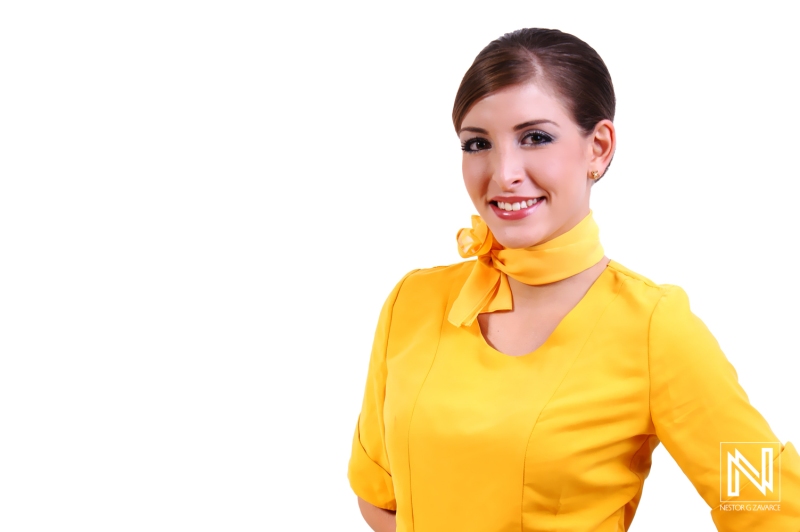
(604, 142)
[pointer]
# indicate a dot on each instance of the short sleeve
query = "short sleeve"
(696, 404)
(368, 471)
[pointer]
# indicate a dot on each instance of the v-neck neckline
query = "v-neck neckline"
(564, 331)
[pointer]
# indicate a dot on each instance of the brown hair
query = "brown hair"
(567, 64)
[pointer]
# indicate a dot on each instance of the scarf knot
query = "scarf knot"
(487, 290)
(476, 240)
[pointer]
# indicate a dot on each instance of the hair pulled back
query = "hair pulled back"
(566, 64)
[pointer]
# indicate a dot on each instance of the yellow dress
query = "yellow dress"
(456, 436)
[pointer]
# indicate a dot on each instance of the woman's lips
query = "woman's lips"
(522, 212)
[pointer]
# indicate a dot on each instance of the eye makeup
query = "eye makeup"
(475, 144)
(537, 137)
(534, 137)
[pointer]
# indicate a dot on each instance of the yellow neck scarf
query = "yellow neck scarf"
(487, 289)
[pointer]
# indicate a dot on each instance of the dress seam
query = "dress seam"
(649, 373)
(386, 343)
(544, 407)
(414, 407)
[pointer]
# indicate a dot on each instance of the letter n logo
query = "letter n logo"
(750, 472)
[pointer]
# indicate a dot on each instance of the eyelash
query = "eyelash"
(546, 139)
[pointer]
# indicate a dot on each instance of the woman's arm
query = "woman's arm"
(368, 470)
(378, 519)
(699, 409)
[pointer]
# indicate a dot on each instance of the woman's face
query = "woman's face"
(526, 164)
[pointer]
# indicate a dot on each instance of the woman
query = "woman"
(527, 389)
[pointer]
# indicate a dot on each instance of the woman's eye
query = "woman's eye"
(537, 137)
(474, 145)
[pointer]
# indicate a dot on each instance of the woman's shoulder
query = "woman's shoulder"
(631, 275)
(439, 274)
(645, 290)
(440, 279)
(431, 283)
(436, 277)
(423, 286)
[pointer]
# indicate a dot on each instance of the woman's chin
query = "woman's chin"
(518, 237)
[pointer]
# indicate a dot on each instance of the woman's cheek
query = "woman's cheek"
(555, 172)
(474, 178)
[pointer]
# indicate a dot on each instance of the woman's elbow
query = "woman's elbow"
(379, 519)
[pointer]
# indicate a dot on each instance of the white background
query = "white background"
(203, 206)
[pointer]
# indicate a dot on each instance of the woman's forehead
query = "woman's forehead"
(516, 104)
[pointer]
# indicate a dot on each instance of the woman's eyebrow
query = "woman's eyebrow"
(523, 125)
(533, 123)
(473, 129)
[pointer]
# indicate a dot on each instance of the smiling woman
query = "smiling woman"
(527, 389)
(550, 146)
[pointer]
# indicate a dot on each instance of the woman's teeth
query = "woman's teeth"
(516, 206)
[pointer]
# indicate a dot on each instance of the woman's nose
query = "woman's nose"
(508, 169)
